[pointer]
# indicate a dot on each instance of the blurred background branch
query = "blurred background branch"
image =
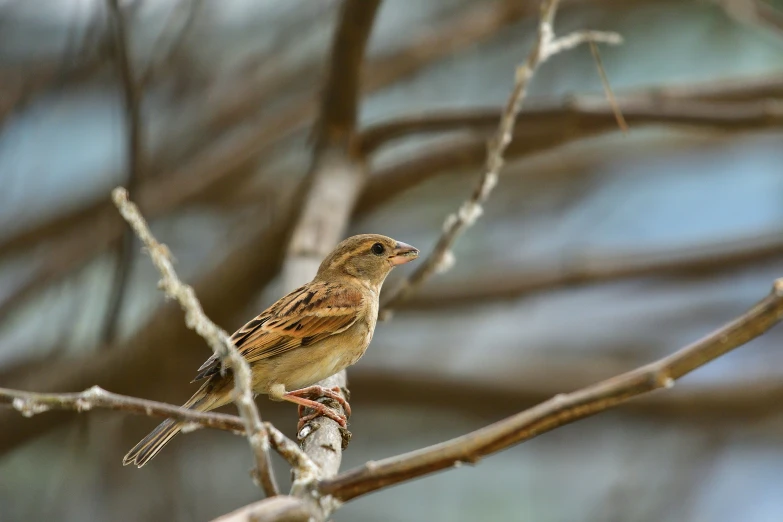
(333, 183)
(545, 46)
(133, 96)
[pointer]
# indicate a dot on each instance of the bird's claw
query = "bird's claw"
(326, 411)
(317, 392)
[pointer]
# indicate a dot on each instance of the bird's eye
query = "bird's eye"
(377, 249)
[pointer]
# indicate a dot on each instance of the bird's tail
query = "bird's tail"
(204, 399)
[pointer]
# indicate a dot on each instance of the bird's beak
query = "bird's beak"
(403, 253)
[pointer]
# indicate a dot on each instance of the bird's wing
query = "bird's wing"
(303, 317)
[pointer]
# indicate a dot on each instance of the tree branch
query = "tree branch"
(545, 46)
(31, 403)
(132, 366)
(335, 180)
(277, 509)
(215, 336)
(717, 406)
(581, 116)
(135, 158)
(77, 237)
(169, 190)
(245, 268)
(562, 409)
(544, 128)
(578, 269)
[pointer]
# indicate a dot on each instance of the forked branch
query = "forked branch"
(558, 411)
(545, 46)
(562, 409)
(216, 337)
(32, 403)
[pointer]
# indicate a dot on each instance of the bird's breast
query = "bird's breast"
(308, 365)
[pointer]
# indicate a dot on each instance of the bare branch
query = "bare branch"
(545, 46)
(134, 365)
(565, 43)
(335, 181)
(716, 405)
(277, 509)
(599, 64)
(736, 89)
(562, 409)
(32, 403)
(135, 158)
(167, 192)
(576, 269)
(720, 406)
(305, 470)
(216, 337)
(543, 128)
(477, 22)
(583, 116)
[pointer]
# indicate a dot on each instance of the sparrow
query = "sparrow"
(310, 334)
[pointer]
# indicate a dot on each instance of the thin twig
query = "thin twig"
(134, 365)
(216, 337)
(562, 409)
(599, 64)
(545, 46)
(32, 403)
(135, 157)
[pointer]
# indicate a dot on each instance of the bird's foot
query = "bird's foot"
(325, 411)
(304, 398)
(316, 392)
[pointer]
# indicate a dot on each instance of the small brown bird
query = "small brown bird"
(310, 334)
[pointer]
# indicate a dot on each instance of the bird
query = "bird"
(306, 336)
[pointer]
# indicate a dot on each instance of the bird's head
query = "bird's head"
(369, 257)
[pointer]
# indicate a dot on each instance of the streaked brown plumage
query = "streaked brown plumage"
(308, 335)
